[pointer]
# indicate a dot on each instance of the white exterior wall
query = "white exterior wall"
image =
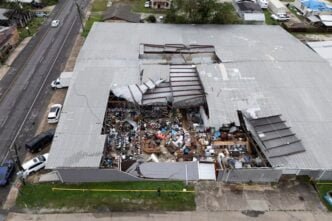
(277, 7)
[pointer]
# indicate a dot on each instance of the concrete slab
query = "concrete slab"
(258, 205)
(12, 195)
(49, 177)
(288, 196)
(176, 216)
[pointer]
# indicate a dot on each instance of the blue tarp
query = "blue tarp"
(316, 5)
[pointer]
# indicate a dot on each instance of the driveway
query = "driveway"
(285, 196)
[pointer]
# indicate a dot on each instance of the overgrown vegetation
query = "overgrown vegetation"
(151, 19)
(50, 2)
(268, 19)
(88, 24)
(201, 12)
(36, 196)
(99, 5)
(97, 10)
(33, 27)
(5, 4)
(323, 187)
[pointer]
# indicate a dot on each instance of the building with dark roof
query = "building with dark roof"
(249, 11)
(121, 13)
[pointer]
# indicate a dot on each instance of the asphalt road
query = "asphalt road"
(25, 89)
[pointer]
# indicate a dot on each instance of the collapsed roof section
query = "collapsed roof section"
(273, 136)
(182, 89)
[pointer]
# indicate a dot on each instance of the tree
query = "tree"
(151, 19)
(201, 12)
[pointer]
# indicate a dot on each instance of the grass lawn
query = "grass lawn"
(138, 6)
(41, 196)
(323, 187)
(268, 19)
(50, 2)
(97, 10)
(34, 25)
(99, 5)
(89, 23)
(294, 11)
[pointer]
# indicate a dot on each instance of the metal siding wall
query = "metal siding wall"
(86, 175)
(258, 175)
(314, 174)
(325, 175)
(291, 171)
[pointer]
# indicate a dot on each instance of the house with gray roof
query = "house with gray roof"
(121, 13)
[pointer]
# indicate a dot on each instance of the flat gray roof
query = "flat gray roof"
(264, 68)
(323, 48)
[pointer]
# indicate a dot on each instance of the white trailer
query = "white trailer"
(263, 3)
(63, 81)
(277, 7)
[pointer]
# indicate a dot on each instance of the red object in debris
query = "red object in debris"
(161, 136)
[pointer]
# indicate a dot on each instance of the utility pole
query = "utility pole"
(79, 14)
(18, 164)
(17, 158)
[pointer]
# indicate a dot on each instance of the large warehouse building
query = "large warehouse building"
(258, 101)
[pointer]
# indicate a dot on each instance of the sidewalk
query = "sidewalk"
(175, 216)
(4, 68)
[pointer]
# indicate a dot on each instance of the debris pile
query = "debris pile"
(165, 134)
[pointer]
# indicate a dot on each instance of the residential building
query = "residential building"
(161, 4)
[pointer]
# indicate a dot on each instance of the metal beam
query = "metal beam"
(282, 145)
(275, 138)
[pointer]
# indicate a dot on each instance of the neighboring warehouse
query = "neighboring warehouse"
(194, 102)
(323, 48)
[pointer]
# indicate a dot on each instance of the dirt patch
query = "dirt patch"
(252, 213)
(313, 37)
(74, 53)
(237, 189)
(57, 98)
(59, 95)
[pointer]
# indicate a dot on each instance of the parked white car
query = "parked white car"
(54, 114)
(280, 17)
(147, 4)
(55, 23)
(33, 165)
